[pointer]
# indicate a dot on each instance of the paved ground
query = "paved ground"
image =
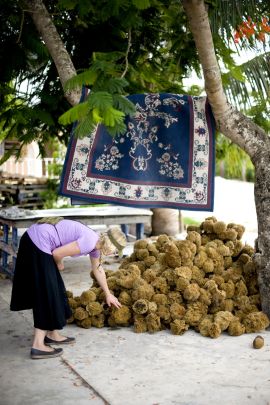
(119, 367)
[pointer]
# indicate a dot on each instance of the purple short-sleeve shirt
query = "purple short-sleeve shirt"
(48, 237)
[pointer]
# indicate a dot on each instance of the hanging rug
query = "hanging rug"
(164, 159)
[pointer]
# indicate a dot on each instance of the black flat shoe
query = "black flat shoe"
(41, 354)
(66, 341)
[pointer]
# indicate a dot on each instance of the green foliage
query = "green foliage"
(231, 161)
(118, 47)
(248, 83)
(105, 103)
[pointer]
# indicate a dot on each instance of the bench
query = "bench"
(108, 215)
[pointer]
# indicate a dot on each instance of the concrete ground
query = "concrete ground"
(119, 367)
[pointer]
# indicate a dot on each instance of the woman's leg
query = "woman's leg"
(71, 249)
(55, 335)
(38, 341)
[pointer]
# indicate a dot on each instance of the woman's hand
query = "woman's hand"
(112, 300)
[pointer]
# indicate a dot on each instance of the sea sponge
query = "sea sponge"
(229, 288)
(125, 298)
(205, 297)
(172, 257)
(153, 322)
(200, 257)
(238, 247)
(219, 280)
(192, 292)
(71, 319)
(73, 303)
(255, 299)
(128, 277)
(249, 250)
(198, 276)
(233, 273)
(86, 323)
(227, 262)
(236, 328)
(240, 289)
(255, 322)
(194, 237)
(121, 316)
(98, 321)
(69, 294)
(181, 284)
(195, 312)
(112, 283)
(207, 226)
(229, 234)
(205, 325)
(149, 261)
(187, 250)
(191, 228)
(94, 308)
(87, 297)
(142, 254)
(219, 227)
(152, 306)
(96, 290)
(80, 314)
(161, 242)
(160, 299)
(208, 282)
(208, 266)
(227, 305)
(184, 272)
(152, 249)
(177, 311)
(178, 327)
(258, 342)
(240, 229)
(140, 244)
(169, 276)
(145, 291)
(160, 285)
(244, 258)
(174, 296)
(140, 306)
(212, 329)
(163, 311)
(223, 319)
(139, 324)
(223, 250)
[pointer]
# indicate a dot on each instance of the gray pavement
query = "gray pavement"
(120, 367)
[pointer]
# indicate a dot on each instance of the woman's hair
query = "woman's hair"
(113, 239)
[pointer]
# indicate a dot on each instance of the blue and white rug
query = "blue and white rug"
(165, 159)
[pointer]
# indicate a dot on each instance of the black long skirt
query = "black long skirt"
(38, 285)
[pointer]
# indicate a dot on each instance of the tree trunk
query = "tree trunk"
(55, 45)
(241, 130)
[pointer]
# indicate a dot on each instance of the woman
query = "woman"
(37, 282)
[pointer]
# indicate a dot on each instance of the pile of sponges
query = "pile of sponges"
(207, 281)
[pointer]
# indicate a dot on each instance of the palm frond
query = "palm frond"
(257, 73)
(226, 15)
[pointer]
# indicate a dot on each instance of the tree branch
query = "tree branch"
(55, 45)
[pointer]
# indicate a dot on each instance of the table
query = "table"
(108, 215)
